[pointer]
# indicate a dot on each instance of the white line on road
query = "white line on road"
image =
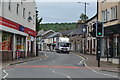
(25, 63)
(63, 74)
(80, 63)
(100, 73)
(95, 70)
(5, 73)
(45, 54)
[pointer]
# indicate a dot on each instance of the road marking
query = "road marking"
(63, 74)
(5, 73)
(80, 63)
(45, 54)
(17, 64)
(95, 70)
(25, 63)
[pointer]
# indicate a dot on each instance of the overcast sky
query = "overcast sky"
(61, 12)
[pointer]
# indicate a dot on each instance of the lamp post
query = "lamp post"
(85, 7)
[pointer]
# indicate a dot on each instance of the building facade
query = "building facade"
(18, 29)
(109, 14)
(91, 41)
(44, 43)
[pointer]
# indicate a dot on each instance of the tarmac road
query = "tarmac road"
(56, 65)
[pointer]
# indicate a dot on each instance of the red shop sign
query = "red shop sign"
(29, 31)
(9, 23)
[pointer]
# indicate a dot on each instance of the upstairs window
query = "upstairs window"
(114, 13)
(17, 9)
(104, 15)
(0, 2)
(24, 13)
(9, 7)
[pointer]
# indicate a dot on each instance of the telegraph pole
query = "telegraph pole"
(85, 12)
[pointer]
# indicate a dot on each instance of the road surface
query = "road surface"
(56, 65)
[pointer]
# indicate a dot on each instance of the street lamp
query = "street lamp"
(85, 6)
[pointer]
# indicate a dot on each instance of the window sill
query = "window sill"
(113, 20)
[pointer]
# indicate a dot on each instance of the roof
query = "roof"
(75, 32)
(65, 33)
(91, 18)
(42, 33)
(57, 34)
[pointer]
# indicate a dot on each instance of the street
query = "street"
(56, 65)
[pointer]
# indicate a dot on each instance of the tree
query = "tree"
(38, 21)
(83, 17)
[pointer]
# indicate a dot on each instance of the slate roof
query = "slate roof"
(57, 34)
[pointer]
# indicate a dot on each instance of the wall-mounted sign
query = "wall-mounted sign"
(13, 25)
(22, 28)
(9, 23)
(29, 31)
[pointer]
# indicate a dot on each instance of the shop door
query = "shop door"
(32, 46)
(111, 46)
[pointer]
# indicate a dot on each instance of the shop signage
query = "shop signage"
(9, 23)
(22, 28)
(29, 31)
(16, 26)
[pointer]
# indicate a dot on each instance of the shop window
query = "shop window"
(20, 43)
(118, 47)
(6, 41)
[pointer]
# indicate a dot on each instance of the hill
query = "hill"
(58, 26)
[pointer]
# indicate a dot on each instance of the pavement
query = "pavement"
(91, 61)
(7, 63)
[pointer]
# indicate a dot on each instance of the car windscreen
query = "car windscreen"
(64, 44)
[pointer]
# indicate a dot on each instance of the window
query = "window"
(21, 1)
(9, 7)
(103, 1)
(104, 15)
(114, 12)
(108, 14)
(17, 9)
(33, 19)
(24, 13)
(94, 43)
(0, 2)
(29, 14)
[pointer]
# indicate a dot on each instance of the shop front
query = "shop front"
(111, 44)
(17, 41)
(31, 46)
(20, 47)
(7, 44)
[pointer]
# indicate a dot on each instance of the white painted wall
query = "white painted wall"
(0, 40)
(18, 18)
